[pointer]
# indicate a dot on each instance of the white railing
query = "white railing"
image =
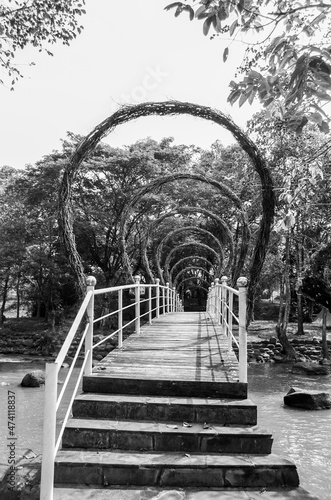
(160, 300)
(220, 305)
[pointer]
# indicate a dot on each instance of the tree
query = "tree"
(38, 23)
(300, 167)
(287, 61)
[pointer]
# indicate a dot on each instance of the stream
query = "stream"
(302, 436)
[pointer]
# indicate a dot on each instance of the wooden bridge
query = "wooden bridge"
(164, 416)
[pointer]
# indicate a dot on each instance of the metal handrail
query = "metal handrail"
(220, 307)
(51, 442)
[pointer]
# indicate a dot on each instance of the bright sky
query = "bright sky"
(129, 52)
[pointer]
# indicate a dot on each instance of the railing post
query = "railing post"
(212, 293)
(209, 301)
(120, 317)
(157, 306)
(242, 285)
(149, 305)
(49, 432)
(90, 282)
(230, 320)
(137, 303)
(173, 301)
(218, 300)
(168, 297)
(224, 282)
(163, 300)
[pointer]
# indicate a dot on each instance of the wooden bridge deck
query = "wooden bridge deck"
(177, 346)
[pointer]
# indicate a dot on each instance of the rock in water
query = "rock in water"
(36, 378)
(311, 400)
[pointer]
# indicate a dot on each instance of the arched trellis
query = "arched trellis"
(184, 210)
(184, 245)
(183, 281)
(224, 190)
(189, 268)
(181, 230)
(191, 257)
(128, 113)
(198, 286)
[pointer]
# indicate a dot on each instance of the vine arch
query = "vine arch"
(180, 230)
(167, 108)
(188, 268)
(191, 257)
(180, 210)
(187, 244)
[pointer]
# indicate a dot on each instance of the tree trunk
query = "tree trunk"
(325, 349)
(18, 296)
(284, 307)
(299, 286)
(4, 297)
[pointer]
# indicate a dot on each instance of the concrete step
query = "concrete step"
(107, 493)
(130, 407)
(102, 383)
(174, 470)
(161, 436)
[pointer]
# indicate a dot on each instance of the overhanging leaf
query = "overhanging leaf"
(225, 54)
(207, 24)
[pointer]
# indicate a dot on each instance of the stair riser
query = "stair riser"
(165, 413)
(149, 441)
(168, 388)
(218, 477)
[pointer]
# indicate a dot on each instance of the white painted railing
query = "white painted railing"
(160, 300)
(220, 305)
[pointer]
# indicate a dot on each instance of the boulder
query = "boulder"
(36, 378)
(311, 400)
(310, 368)
(325, 361)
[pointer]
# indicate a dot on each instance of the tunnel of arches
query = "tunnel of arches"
(167, 108)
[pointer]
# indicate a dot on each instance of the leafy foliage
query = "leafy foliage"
(37, 23)
(287, 62)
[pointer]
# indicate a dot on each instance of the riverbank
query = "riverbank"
(31, 337)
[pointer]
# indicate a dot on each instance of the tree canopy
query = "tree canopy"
(287, 61)
(38, 23)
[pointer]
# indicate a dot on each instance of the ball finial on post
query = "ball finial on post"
(242, 281)
(91, 281)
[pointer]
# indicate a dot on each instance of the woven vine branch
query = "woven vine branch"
(168, 108)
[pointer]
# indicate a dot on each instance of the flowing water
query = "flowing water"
(301, 435)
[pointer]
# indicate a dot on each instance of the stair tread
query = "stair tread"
(169, 427)
(121, 371)
(90, 396)
(104, 493)
(165, 383)
(173, 459)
